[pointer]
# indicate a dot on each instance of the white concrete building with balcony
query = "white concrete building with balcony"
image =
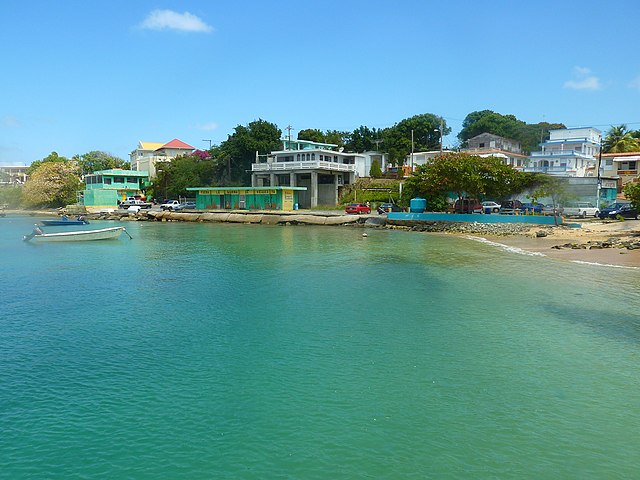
(571, 152)
(148, 155)
(321, 167)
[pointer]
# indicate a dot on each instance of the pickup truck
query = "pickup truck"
(134, 202)
(170, 205)
(581, 209)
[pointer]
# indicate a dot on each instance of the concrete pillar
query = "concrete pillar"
(272, 179)
(314, 189)
(292, 179)
(336, 185)
(253, 180)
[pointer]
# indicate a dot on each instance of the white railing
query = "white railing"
(311, 165)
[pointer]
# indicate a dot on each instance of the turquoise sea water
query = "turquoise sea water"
(203, 351)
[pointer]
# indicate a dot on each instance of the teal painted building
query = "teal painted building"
(104, 188)
(247, 198)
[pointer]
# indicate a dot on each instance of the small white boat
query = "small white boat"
(76, 236)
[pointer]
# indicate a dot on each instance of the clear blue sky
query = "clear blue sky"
(102, 75)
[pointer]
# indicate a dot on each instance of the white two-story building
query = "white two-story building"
(321, 167)
(570, 152)
(148, 154)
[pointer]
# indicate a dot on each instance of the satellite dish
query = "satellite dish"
(341, 149)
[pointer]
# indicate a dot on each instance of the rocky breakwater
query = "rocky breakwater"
(469, 228)
(247, 217)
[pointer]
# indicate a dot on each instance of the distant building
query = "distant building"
(105, 188)
(621, 166)
(148, 154)
(320, 167)
(569, 152)
(490, 145)
(13, 175)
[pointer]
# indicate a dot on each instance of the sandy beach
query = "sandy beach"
(589, 233)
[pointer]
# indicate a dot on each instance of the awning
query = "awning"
(630, 158)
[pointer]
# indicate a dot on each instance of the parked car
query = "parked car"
(490, 207)
(550, 209)
(625, 210)
(357, 208)
(510, 207)
(170, 205)
(581, 209)
(531, 208)
(467, 205)
(185, 206)
(389, 207)
(134, 202)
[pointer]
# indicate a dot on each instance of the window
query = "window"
(481, 145)
(321, 157)
(132, 180)
(298, 157)
(107, 181)
(308, 157)
(118, 179)
(313, 156)
(632, 165)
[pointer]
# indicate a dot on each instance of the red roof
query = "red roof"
(175, 143)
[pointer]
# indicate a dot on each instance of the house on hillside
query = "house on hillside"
(148, 154)
(323, 168)
(569, 152)
(13, 175)
(490, 145)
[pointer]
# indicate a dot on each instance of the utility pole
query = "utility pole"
(208, 140)
(288, 129)
(412, 150)
(441, 128)
(599, 184)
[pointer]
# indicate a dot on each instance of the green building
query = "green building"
(247, 198)
(105, 188)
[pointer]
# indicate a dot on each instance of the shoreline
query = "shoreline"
(598, 242)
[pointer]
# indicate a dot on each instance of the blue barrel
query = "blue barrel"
(417, 205)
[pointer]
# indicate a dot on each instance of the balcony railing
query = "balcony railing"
(565, 153)
(311, 165)
(551, 169)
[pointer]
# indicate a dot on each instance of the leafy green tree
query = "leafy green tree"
(426, 136)
(235, 155)
(11, 196)
(619, 140)
(53, 157)
(336, 137)
(375, 171)
(507, 126)
(52, 184)
(469, 175)
(363, 139)
(96, 160)
(313, 135)
(632, 193)
(173, 179)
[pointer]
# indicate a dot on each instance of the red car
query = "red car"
(357, 208)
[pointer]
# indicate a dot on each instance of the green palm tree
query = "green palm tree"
(619, 139)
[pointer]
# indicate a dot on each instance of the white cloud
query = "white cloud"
(583, 80)
(635, 83)
(208, 126)
(170, 20)
(9, 122)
